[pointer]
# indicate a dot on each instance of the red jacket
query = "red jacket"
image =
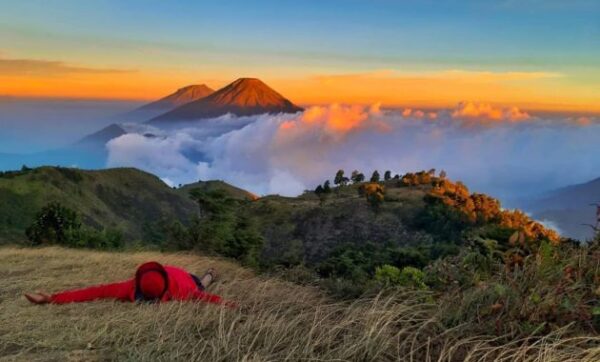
(181, 287)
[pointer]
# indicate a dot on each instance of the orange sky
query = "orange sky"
(528, 90)
(427, 54)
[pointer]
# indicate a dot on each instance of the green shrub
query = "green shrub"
(94, 239)
(410, 277)
(57, 224)
(388, 275)
(52, 225)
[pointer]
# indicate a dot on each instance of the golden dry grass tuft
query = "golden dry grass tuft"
(277, 320)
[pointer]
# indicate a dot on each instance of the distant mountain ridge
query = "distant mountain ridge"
(569, 207)
(243, 97)
(182, 96)
(178, 98)
(101, 137)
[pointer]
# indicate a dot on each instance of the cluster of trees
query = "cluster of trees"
(422, 178)
(409, 179)
(481, 209)
(373, 190)
(322, 190)
(340, 179)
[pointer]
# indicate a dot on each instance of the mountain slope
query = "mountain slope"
(101, 137)
(126, 199)
(244, 97)
(212, 185)
(569, 208)
(180, 97)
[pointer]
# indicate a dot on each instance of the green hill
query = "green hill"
(126, 199)
(212, 185)
(307, 229)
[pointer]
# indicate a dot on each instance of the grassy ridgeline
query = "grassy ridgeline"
(277, 320)
(124, 199)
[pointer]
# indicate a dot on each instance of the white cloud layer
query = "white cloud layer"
(505, 152)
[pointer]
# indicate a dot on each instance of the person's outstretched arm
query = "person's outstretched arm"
(212, 298)
(120, 291)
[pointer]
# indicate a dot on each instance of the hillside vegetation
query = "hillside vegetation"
(276, 320)
(495, 271)
(125, 199)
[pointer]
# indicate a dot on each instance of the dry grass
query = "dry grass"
(277, 320)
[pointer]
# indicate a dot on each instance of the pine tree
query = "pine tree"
(375, 177)
(387, 175)
(340, 179)
(327, 187)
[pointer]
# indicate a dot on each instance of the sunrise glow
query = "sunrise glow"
(109, 51)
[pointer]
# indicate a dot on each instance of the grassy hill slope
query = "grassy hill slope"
(212, 185)
(276, 320)
(124, 198)
(318, 226)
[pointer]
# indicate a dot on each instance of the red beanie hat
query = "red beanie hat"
(152, 284)
(151, 280)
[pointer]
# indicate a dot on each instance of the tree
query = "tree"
(375, 177)
(327, 187)
(340, 179)
(319, 190)
(373, 192)
(387, 175)
(443, 174)
(431, 172)
(357, 176)
(339, 176)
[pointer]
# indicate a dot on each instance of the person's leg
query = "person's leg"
(208, 277)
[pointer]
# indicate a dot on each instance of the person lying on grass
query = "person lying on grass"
(153, 282)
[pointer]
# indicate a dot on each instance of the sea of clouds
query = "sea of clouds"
(502, 151)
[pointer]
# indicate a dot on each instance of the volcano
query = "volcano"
(179, 98)
(244, 97)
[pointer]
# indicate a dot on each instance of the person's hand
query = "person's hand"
(231, 304)
(38, 298)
